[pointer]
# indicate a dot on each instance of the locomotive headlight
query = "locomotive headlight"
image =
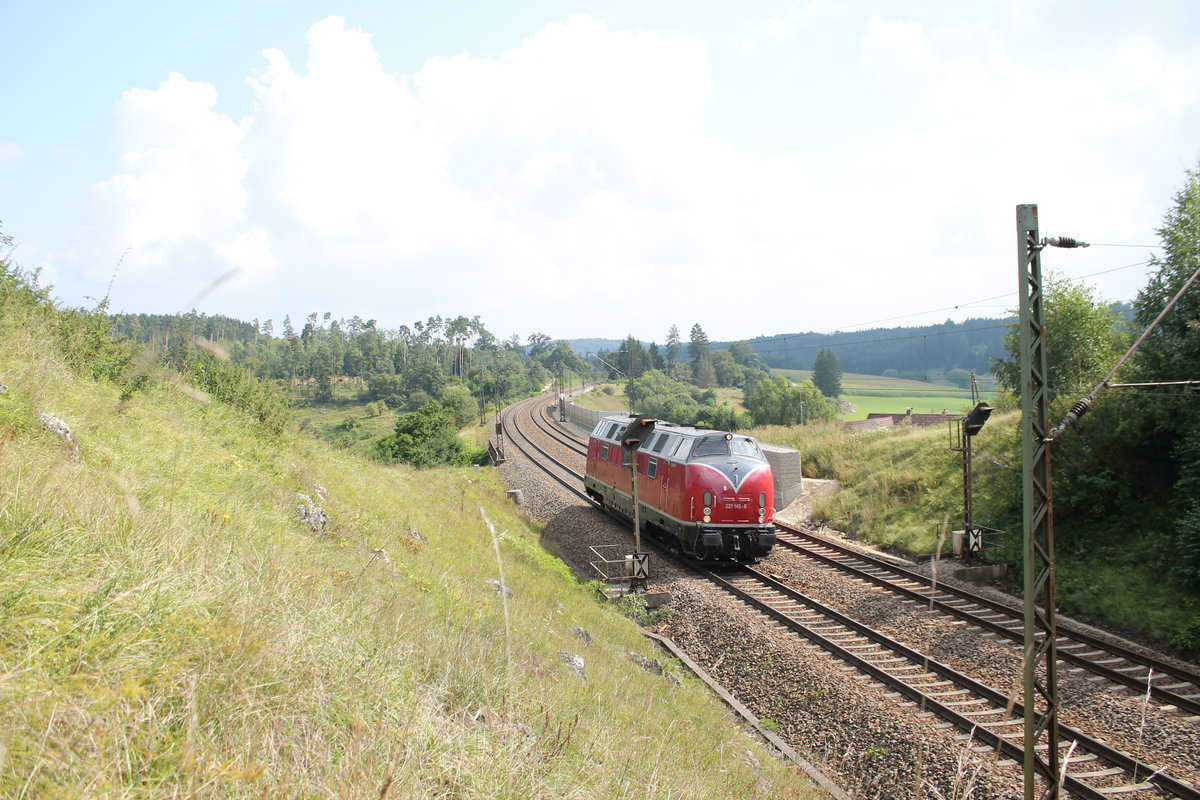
(707, 518)
(707, 511)
(761, 519)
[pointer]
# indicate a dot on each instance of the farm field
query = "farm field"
(866, 393)
(877, 394)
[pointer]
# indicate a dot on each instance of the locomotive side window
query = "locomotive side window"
(604, 452)
(652, 468)
(659, 442)
(681, 452)
(612, 431)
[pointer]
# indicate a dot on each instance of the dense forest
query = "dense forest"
(915, 353)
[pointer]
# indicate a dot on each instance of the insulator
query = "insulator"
(1079, 409)
(1065, 241)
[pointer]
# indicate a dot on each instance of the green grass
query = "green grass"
(606, 397)
(877, 394)
(923, 404)
(170, 628)
(347, 424)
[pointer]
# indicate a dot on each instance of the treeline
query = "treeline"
(922, 353)
(404, 368)
(947, 351)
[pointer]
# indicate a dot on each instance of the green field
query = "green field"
(866, 393)
(877, 394)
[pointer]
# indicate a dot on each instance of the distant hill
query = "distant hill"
(585, 346)
(920, 353)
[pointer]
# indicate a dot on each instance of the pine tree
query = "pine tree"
(698, 351)
(674, 347)
(826, 374)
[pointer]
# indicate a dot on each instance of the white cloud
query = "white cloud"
(988, 124)
(179, 195)
(10, 151)
(754, 35)
(578, 164)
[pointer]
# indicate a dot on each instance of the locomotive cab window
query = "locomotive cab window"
(745, 447)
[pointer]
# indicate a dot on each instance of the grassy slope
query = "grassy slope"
(169, 628)
(899, 486)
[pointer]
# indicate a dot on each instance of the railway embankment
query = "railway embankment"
(178, 620)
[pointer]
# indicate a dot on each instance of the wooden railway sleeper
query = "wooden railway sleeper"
(1126, 789)
(1100, 773)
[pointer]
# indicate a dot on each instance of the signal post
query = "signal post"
(636, 432)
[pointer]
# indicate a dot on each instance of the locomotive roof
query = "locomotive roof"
(670, 427)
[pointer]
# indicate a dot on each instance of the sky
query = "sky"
(590, 169)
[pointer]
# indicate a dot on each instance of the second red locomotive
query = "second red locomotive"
(711, 493)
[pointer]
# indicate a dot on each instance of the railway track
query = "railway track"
(1095, 771)
(517, 422)
(982, 714)
(1168, 683)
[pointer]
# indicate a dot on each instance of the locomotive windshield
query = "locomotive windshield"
(719, 446)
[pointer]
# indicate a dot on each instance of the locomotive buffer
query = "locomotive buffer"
(637, 431)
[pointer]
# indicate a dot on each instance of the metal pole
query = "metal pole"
(1040, 680)
(637, 514)
(967, 512)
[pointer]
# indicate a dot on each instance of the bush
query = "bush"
(428, 437)
(237, 387)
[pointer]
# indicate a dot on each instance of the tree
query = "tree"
(1173, 353)
(462, 405)
(656, 359)
(727, 371)
(743, 353)
(826, 375)
(632, 357)
(537, 343)
(1083, 340)
(674, 346)
(706, 375)
(776, 401)
(698, 349)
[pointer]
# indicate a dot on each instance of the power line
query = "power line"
(1171, 395)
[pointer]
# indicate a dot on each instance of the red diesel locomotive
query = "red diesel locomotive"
(710, 493)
